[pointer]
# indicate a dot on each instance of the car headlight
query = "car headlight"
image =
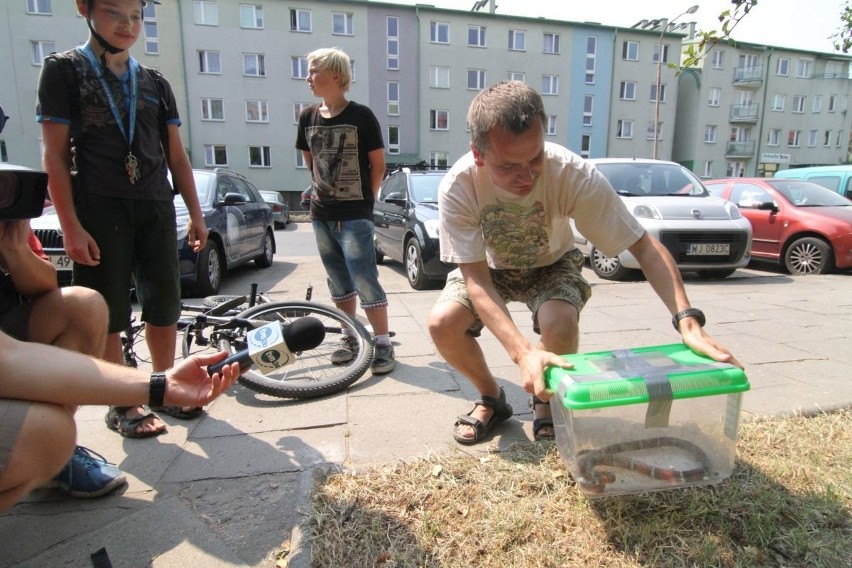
(433, 228)
(733, 210)
(646, 212)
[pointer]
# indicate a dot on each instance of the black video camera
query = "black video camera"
(22, 190)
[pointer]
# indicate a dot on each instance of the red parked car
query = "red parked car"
(804, 226)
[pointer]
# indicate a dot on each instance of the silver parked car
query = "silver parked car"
(705, 234)
(280, 208)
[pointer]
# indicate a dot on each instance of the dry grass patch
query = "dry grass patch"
(787, 503)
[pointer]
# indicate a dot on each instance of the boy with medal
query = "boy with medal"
(110, 135)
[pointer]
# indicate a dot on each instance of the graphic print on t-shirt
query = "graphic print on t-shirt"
(514, 234)
(334, 151)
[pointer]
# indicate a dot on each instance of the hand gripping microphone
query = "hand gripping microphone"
(272, 346)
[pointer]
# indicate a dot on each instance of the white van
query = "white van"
(836, 178)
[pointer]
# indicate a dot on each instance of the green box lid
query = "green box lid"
(640, 375)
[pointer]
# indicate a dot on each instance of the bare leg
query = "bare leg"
(448, 324)
(559, 324)
(73, 318)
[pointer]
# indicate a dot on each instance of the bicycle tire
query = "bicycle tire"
(312, 374)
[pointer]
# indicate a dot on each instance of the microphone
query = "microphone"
(271, 346)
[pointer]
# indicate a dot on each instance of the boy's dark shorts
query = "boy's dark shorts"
(561, 280)
(137, 238)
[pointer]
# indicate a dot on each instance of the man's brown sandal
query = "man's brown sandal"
(539, 423)
(502, 411)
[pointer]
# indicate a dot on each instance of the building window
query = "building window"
(812, 138)
(585, 145)
(832, 103)
(826, 138)
(649, 135)
(251, 16)
(439, 158)
(297, 110)
(803, 68)
(393, 42)
(41, 7)
(798, 104)
(793, 137)
(259, 157)
(257, 111)
(206, 13)
(299, 67)
(549, 85)
(476, 36)
(817, 106)
(782, 68)
(624, 129)
(215, 155)
(550, 42)
(476, 79)
(254, 65)
(591, 59)
(439, 120)
(773, 137)
(300, 20)
(439, 32)
(300, 161)
(717, 58)
(439, 77)
(517, 40)
(708, 169)
(630, 51)
(588, 107)
(393, 98)
(710, 134)
(838, 139)
(212, 109)
(714, 94)
(341, 24)
(778, 101)
(654, 93)
(627, 91)
(41, 49)
(516, 76)
(656, 56)
(209, 62)
(550, 129)
(149, 29)
(393, 139)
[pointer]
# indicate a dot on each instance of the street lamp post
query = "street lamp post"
(691, 10)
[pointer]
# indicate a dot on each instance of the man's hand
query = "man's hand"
(197, 235)
(702, 343)
(190, 385)
(81, 247)
(533, 364)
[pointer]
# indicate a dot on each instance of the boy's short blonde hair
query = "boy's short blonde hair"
(334, 60)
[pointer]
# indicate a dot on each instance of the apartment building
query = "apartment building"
(238, 70)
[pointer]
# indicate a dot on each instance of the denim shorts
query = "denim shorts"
(348, 254)
(561, 280)
(137, 238)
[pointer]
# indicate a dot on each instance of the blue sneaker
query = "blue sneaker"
(85, 476)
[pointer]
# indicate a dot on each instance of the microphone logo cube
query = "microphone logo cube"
(267, 348)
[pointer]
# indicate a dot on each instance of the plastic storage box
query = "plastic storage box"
(646, 419)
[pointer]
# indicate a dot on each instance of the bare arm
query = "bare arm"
(31, 274)
(495, 316)
(662, 273)
(377, 169)
(44, 373)
(182, 177)
(56, 159)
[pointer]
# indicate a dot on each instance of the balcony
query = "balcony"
(745, 113)
(749, 77)
(740, 150)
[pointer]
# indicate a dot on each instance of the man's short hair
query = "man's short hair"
(513, 106)
(334, 60)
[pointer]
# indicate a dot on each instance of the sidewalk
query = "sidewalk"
(228, 489)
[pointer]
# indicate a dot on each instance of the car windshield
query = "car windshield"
(807, 194)
(202, 184)
(644, 179)
(425, 187)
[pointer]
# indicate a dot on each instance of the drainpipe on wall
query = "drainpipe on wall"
(762, 112)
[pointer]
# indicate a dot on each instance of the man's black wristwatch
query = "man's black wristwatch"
(689, 312)
(157, 389)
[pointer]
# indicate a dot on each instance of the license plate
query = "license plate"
(709, 249)
(61, 262)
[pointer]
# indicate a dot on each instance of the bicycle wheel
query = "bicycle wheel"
(312, 373)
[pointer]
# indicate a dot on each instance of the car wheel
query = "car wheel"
(609, 268)
(264, 259)
(710, 274)
(210, 270)
(413, 262)
(809, 255)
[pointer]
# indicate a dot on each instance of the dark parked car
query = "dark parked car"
(239, 221)
(406, 218)
(280, 209)
(803, 226)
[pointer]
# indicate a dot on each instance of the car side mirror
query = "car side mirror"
(233, 199)
(768, 206)
(397, 198)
